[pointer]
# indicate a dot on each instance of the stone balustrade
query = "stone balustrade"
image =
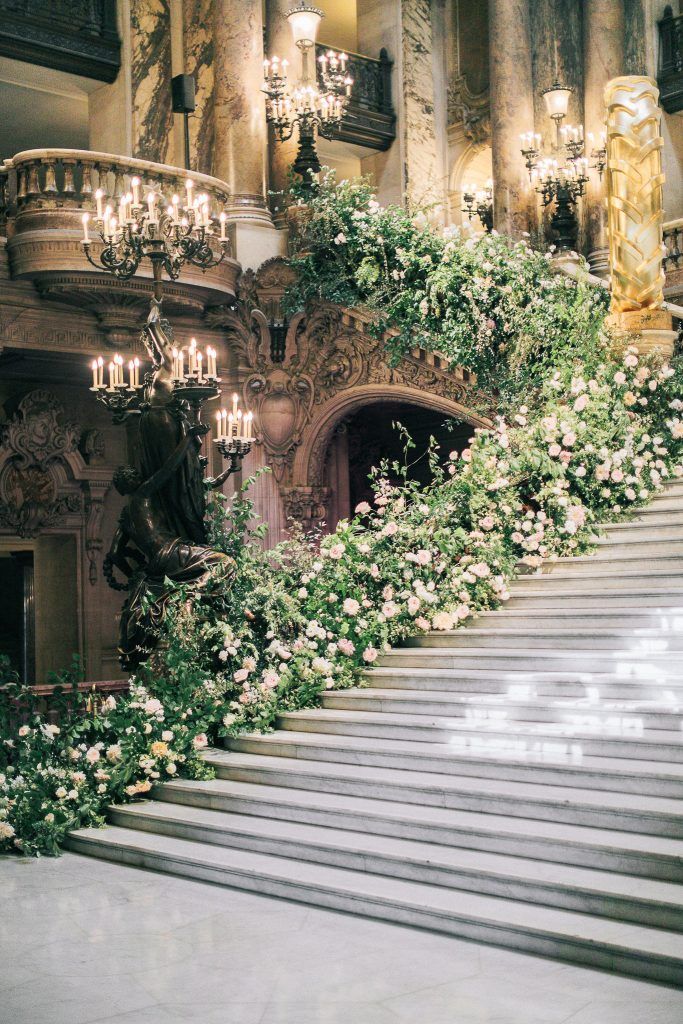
(673, 240)
(44, 193)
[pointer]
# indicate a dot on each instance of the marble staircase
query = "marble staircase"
(516, 782)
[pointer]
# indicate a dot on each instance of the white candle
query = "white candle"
(131, 375)
(200, 379)
(238, 431)
(247, 426)
(151, 200)
(224, 422)
(136, 369)
(230, 425)
(192, 356)
(94, 373)
(135, 185)
(218, 425)
(206, 217)
(174, 365)
(223, 217)
(100, 371)
(85, 218)
(112, 228)
(175, 200)
(111, 376)
(181, 364)
(189, 185)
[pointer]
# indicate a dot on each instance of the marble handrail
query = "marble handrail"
(68, 178)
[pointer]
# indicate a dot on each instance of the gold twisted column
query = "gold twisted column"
(634, 210)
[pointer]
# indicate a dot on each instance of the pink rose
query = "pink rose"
(351, 606)
(369, 655)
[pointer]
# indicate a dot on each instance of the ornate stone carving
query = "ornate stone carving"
(470, 109)
(34, 447)
(306, 505)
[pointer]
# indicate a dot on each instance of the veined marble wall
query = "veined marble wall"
(199, 53)
(423, 174)
(151, 79)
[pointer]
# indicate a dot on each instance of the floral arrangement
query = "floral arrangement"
(586, 434)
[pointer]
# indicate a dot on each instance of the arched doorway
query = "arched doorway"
(376, 432)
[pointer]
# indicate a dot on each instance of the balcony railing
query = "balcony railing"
(44, 193)
(70, 35)
(370, 120)
(670, 73)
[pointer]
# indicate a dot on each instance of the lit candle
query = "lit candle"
(135, 185)
(181, 364)
(94, 373)
(131, 375)
(175, 200)
(86, 238)
(136, 369)
(200, 379)
(247, 426)
(99, 197)
(122, 209)
(218, 425)
(284, 66)
(192, 356)
(151, 207)
(174, 369)
(100, 371)
(238, 431)
(231, 420)
(224, 422)
(111, 377)
(210, 362)
(189, 185)
(223, 217)
(112, 227)
(266, 66)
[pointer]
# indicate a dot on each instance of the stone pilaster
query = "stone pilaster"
(151, 79)
(424, 176)
(603, 50)
(199, 54)
(239, 108)
(512, 112)
(279, 43)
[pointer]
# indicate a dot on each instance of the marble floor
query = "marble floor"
(83, 941)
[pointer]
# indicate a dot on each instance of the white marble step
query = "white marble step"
(568, 803)
(666, 619)
(551, 762)
(631, 637)
(587, 890)
(654, 514)
(641, 546)
(570, 598)
(474, 736)
(657, 526)
(614, 717)
(626, 663)
(595, 577)
(616, 945)
(623, 852)
(578, 684)
(615, 561)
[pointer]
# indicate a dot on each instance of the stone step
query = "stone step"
(615, 563)
(568, 803)
(586, 890)
(603, 718)
(599, 578)
(582, 938)
(655, 526)
(523, 596)
(667, 620)
(580, 845)
(641, 546)
(664, 502)
(477, 737)
(653, 515)
(625, 663)
(524, 685)
(637, 639)
(556, 762)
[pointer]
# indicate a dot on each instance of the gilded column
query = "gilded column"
(512, 112)
(239, 108)
(151, 79)
(603, 50)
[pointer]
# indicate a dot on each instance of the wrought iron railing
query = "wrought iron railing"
(370, 119)
(670, 73)
(70, 35)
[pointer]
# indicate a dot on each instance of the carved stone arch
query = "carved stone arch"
(309, 461)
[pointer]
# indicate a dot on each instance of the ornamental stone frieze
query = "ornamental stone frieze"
(51, 473)
(328, 364)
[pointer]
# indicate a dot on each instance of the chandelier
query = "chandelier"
(316, 101)
(169, 233)
(560, 177)
(478, 202)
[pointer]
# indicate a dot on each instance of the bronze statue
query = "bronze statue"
(161, 539)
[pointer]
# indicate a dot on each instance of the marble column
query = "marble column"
(603, 49)
(424, 170)
(239, 108)
(199, 53)
(279, 43)
(151, 80)
(512, 112)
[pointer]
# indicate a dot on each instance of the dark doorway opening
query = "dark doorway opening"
(17, 622)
